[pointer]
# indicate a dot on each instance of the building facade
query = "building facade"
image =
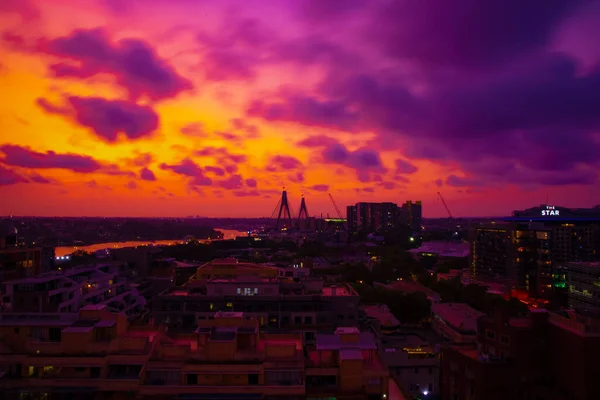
(374, 217)
(542, 356)
(98, 354)
(533, 247)
(583, 285)
(68, 290)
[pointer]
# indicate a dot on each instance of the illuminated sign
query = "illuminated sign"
(550, 210)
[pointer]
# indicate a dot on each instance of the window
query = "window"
(416, 370)
(504, 339)
(490, 334)
(192, 379)
(252, 379)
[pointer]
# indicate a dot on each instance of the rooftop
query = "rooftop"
(365, 341)
(444, 249)
(458, 315)
(382, 313)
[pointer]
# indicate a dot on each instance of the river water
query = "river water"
(66, 250)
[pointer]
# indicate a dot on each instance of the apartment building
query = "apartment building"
(545, 355)
(413, 363)
(583, 285)
(306, 306)
(532, 247)
(99, 354)
(455, 322)
(345, 365)
(69, 290)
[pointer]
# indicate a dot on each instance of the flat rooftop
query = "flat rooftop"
(444, 249)
(459, 315)
(382, 313)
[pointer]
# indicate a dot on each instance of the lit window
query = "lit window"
(229, 304)
(239, 290)
(255, 290)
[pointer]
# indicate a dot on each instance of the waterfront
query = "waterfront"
(66, 250)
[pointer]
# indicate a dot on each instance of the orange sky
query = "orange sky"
(218, 146)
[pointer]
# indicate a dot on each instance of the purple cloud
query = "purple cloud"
(131, 185)
(24, 157)
(233, 182)
(195, 129)
(251, 183)
(297, 177)
(318, 141)
(147, 175)
(215, 170)
(221, 154)
(190, 169)
(9, 177)
(135, 65)
(283, 163)
(108, 118)
(405, 167)
(308, 111)
(320, 188)
(363, 160)
(471, 34)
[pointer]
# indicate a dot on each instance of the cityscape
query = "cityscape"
(299, 200)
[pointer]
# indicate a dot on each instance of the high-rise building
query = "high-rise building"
(533, 247)
(583, 285)
(411, 215)
(374, 217)
(542, 356)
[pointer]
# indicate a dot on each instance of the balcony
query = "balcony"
(269, 390)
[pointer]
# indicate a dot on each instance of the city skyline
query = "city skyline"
(177, 108)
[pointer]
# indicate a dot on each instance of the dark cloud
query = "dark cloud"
(190, 169)
(439, 182)
(330, 10)
(109, 118)
(542, 114)
(215, 170)
(318, 141)
(140, 159)
(10, 177)
(405, 167)
(221, 154)
(308, 111)
(388, 185)
(135, 64)
(233, 182)
(363, 160)
(320, 188)
(469, 33)
(297, 177)
(51, 108)
(147, 175)
(24, 157)
(283, 163)
(251, 183)
(36, 178)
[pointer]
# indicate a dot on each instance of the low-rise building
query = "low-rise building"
(98, 352)
(307, 306)
(346, 365)
(381, 318)
(69, 290)
(455, 322)
(413, 363)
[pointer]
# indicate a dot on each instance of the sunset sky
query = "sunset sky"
(210, 107)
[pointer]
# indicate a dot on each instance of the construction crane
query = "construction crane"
(336, 207)
(445, 206)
